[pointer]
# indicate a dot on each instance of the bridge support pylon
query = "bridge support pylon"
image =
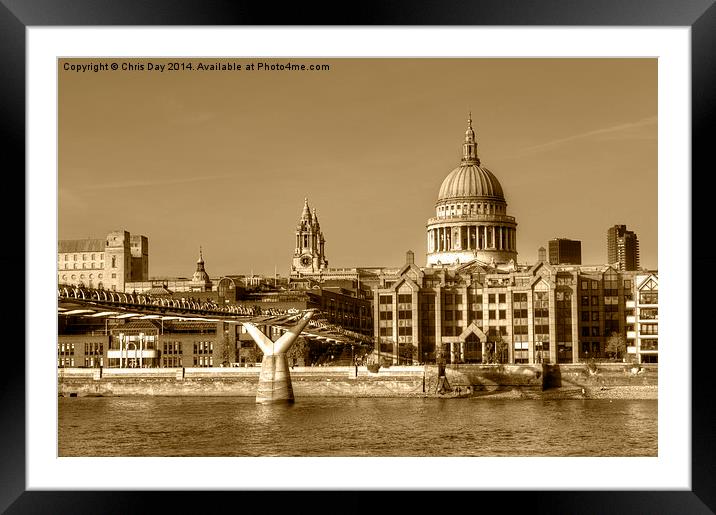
(275, 378)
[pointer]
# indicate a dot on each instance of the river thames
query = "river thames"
(354, 427)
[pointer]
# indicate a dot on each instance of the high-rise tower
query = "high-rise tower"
(309, 254)
(622, 248)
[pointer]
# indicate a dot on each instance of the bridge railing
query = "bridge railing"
(147, 302)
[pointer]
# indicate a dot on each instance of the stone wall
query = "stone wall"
(578, 381)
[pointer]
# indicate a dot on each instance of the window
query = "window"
(649, 314)
(491, 298)
(595, 316)
(114, 261)
(649, 344)
(649, 298)
(585, 285)
(502, 298)
(585, 331)
(627, 284)
(595, 285)
(74, 257)
(503, 314)
(595, 300)
(585, 300)
(585, 316)
(114, 276)
(648, 328)
(491, 314)
(595, 331)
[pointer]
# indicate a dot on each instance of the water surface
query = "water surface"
(237, 426)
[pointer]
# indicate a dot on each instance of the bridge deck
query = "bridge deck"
(94, 303)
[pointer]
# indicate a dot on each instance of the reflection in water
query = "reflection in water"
(237, 426)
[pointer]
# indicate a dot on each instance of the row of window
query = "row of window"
(84, 257)
(65, 349)
(203, 347)
(479, 208)
(82, 276)
(95, 349)
(607, 284)
(75, 266)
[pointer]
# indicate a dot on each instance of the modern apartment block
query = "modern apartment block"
(622, 248)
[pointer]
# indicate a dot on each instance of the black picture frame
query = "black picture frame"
(699, 15)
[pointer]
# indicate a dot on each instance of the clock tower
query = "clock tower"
(308, 256)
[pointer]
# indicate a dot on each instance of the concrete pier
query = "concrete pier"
(275, 378)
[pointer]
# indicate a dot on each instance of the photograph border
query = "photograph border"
(16, 16)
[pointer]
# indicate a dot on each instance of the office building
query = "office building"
(563, 251)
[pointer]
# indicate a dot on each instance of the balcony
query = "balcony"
(630, 304)
(631, 319)
(472, 218)
(631, 335)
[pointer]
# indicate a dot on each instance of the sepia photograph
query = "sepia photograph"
(357, 257)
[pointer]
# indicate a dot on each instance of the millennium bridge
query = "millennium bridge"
(274, 380)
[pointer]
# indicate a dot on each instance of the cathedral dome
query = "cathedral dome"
(471, 220)
(470, 180)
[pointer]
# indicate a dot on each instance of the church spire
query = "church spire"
(469, 147)
(306, 215)
(315, 216)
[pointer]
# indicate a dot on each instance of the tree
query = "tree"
(298, 351)
(250, 353)
(616, 345)
(490, 352)
(226, 355)
(500, 350)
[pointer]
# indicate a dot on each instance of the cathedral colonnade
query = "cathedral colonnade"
(470, 236)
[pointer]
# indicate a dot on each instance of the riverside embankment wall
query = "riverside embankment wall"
(489, 381)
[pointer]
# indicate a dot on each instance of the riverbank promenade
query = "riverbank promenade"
(608, 380)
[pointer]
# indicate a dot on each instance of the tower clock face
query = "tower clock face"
(306, 260)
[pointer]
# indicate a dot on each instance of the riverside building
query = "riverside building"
(473, 303)
(107, 263)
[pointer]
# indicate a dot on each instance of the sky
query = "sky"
(223, 160)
